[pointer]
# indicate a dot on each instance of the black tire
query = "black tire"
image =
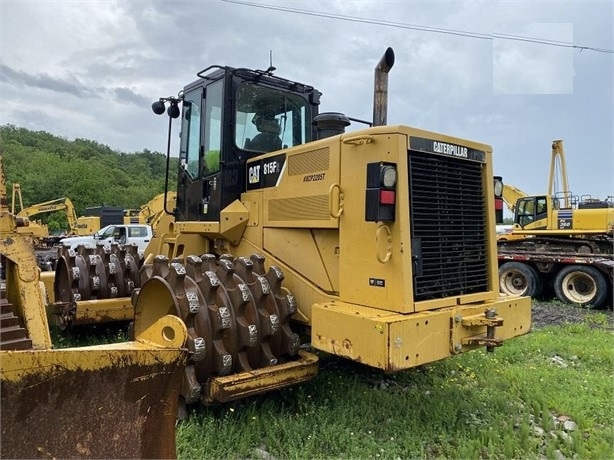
(581, 285)
(516, 278)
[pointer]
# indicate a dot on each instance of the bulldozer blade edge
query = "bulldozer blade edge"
(114, 401)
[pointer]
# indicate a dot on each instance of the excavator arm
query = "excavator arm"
(511, 195)
(45, 207)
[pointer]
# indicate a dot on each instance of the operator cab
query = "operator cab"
(532, 212)
(229, 116)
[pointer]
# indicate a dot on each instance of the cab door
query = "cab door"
(199, 191)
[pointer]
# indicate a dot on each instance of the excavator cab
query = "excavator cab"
(532, 212)
(228, 116)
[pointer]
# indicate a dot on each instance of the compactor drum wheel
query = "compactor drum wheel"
(516, 278)
(581, 285)
(94, 273)
(237, 315)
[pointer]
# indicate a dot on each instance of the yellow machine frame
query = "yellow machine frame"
(317, 234)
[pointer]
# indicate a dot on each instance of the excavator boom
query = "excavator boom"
(511, 195)
(45, 207)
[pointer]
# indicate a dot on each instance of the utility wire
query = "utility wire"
(439, 30)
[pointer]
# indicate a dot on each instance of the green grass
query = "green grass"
(86, 335)
(477, 405)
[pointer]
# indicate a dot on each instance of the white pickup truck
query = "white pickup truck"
(123, 234)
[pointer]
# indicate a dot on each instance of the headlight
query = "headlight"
(498, 187)
(389, 176)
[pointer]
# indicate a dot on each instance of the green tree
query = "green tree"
(91, 174)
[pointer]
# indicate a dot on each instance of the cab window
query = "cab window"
(137, 232)
(525, 212)
(541, 208)
(529, 210)
(268, 119)
(190, 133)
(213, 128)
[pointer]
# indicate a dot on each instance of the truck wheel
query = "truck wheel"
(516, 278)
(581, 285)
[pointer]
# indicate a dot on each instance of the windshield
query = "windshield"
(106, 232)
(267, 119)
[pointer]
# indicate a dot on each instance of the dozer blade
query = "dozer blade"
(107, 401)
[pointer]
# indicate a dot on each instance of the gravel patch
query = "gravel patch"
(556, 314)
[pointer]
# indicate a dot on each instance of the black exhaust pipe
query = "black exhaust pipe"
(380, 93)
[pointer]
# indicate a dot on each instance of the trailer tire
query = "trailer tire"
(581, 285)
(516, 278)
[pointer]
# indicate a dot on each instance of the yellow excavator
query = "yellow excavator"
(377, 245)
(37, 229)
(44, 243)
(559, 212)
(558, 242)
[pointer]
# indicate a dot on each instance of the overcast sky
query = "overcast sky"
(90, 69)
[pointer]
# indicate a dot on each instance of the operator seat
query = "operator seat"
(267, 139)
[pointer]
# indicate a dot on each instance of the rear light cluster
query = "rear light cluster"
(381, 192)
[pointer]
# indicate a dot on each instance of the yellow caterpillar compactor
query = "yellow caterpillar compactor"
(107, 276)
(377, 245)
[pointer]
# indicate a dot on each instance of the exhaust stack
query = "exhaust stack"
(380, 94)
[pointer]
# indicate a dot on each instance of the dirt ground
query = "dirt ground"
(555, 313)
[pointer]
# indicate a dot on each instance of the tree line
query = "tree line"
(48, 167)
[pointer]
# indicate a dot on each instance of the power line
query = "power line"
(439, 30)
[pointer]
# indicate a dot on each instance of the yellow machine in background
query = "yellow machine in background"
(37, 229)
(560, 213)
(110, 275)
(558, 242)
(146, 214)
(108, 401)
(154, 213)
(151, 211)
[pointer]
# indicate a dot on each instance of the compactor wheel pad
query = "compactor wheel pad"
(237, 315)
(101, 272)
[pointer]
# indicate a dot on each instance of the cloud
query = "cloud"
(43, 81)
(527, 67)
(91, 70)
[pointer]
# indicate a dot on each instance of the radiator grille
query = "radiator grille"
(448, 226)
